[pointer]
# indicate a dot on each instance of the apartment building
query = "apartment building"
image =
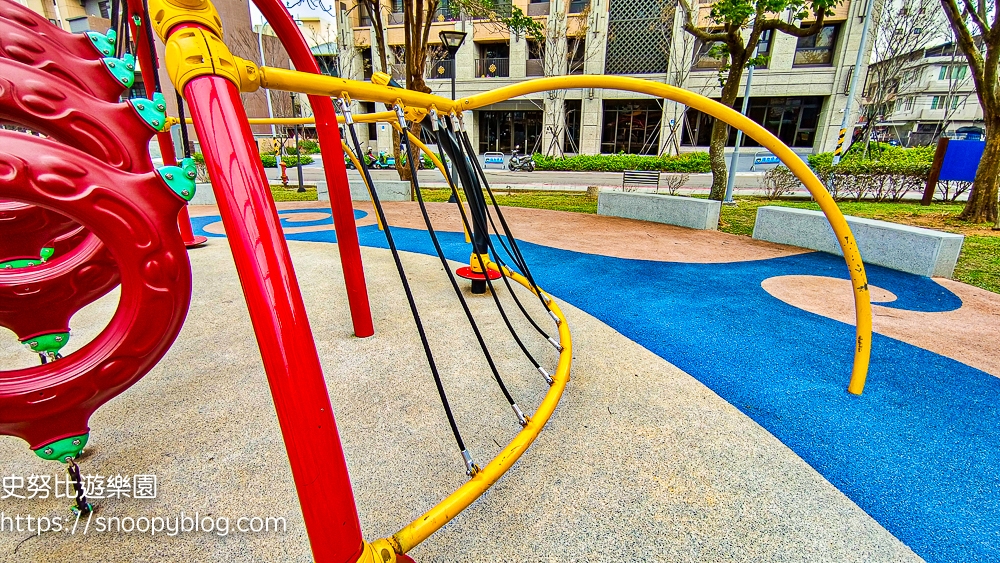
(799, 95)
(933, 95)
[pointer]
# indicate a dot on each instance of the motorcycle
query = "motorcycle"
(520, 162)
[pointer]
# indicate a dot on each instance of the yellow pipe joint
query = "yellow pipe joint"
(166, 14)
(193, 52)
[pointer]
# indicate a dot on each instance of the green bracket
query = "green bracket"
(44, 255)
(122, 69)
(105, 43)
(136, 20)
(153, 112)
(62, 449)
(49, 343)
(181, 178)
(19, 263)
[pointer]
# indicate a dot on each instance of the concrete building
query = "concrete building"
(800, 96)
(933, 95)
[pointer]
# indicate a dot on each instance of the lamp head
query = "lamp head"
(452, 40)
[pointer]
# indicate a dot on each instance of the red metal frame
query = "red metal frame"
(147, 60)
(336, 173)
(279, 320)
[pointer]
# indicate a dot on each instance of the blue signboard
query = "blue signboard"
(961, 160)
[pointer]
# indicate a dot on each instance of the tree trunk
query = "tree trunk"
(720, 133)
(982, 204)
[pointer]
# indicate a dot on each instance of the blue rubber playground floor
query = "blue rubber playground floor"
(919, 451)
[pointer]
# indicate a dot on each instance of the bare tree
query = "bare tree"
(680, 60)
(977, 30)
(562, 53)
(900, 29)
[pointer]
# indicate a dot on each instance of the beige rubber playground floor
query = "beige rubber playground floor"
(639, 461)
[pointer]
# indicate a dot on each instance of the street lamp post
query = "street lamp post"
(452, 41)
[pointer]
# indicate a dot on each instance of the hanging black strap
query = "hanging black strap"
(451, 275)
(183, 125)
(446, 142)
(349, 122)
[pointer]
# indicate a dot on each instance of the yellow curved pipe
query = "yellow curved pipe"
(440, 166)
(848, 244)
(323, 85)
(432, 520)
(357, 166)
(281, 79)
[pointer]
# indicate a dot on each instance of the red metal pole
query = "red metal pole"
(279, 320)
(147, 62)
(336, 173)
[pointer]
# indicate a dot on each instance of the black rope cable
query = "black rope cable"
(114, 20)
(406, 285)
(473, 180)
(447, 143)
(184, 127)
(477, 173)
(489, 282)
(451, 276)
(513, 242)
(146, 22)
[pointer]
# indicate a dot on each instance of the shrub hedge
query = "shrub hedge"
(884, 173)
(271, 161)
(687, 162)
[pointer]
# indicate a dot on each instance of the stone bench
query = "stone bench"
(688, 212)
(388, 190)
(924, 252)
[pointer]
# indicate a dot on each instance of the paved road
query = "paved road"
(570, 181)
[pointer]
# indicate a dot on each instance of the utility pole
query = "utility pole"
(267, 93)
(731, 179)
(854, 85)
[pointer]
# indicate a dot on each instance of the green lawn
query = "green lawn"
(291, 193)
(560, 201)
(978, 265)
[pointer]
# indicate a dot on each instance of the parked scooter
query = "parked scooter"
(520, 162)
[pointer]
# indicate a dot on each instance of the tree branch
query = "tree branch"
(690, 27)
(796, 31)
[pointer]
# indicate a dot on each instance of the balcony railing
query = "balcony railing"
(440, 69)
(492, 68)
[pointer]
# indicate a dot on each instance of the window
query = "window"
(709, 56)
(764, 46)
(908, 105)
(577, 6)
(816, 49)
(503, 130)
(102, 7)
(941, 102)
(571, 138)
(576, 54)
(631, 126)
(952, 72)
(792, 119)
(535, 65)
(493, 61)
